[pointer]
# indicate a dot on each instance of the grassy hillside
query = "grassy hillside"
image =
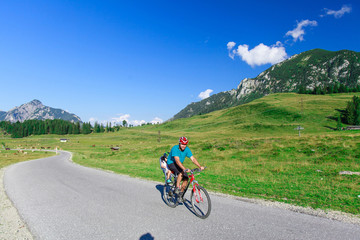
(250, 150)
(305, 71)
(273, 115)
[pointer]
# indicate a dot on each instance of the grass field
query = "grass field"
(12, 156)
(250, 150)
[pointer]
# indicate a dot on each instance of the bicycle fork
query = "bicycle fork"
(197, 193)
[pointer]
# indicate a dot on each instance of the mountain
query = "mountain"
(36, 110)
(310, 69)
(2, 114)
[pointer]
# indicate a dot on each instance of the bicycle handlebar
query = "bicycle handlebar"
(196, 170)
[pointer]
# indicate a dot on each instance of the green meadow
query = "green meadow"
(252, 150)
(14, 156)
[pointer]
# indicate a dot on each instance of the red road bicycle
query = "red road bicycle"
(199, 197)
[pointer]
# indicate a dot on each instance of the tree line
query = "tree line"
(55, 126)
(40, 127)
(329, 89)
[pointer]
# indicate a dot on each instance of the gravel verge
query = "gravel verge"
(12, 227)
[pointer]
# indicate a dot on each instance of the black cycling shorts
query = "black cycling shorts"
(177, 170)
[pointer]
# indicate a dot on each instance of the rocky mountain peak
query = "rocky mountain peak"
(36, 110)
(36, 102)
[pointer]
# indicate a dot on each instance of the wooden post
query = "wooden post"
(159, 138)
(299, 128)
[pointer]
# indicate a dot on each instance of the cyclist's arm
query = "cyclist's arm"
(193, 159)
(177, 161)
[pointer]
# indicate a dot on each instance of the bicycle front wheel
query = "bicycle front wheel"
(200, 202)
(169, 195)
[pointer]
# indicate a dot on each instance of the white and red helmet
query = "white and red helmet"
(183, 140)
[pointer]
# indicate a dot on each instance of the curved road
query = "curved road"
(61, 200)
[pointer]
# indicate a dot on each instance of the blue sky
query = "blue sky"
(146, 60)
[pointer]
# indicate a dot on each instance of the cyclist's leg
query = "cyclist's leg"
(168, 173)
(173, 168)
(184, 183)
(179, 178)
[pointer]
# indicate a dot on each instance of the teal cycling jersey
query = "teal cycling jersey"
(176, 152)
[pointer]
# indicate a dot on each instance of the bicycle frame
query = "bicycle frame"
(193, 183)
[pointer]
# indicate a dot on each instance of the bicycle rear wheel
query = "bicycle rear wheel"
(200, 202)
(169, 195)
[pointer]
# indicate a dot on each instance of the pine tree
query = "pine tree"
(351, 114)
(356, 101)
(77, 128)
(97, 127)
(342, 88)
(339, 124)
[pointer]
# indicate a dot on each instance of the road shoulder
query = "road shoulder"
(11, 224)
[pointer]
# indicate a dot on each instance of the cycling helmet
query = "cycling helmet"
(183, 140)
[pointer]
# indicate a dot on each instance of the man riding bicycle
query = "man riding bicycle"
(175, 161)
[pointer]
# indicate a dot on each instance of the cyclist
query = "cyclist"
(175, 161)
(164, 167)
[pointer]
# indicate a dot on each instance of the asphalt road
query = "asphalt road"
(61, 200)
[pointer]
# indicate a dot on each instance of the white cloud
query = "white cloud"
(137, 122)
(205, 94)
(261, 54)
(157, 120)
(298, 32)
(92, 120)
(127, 117)
(230, 46)
(121, 118)
(339, 13)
